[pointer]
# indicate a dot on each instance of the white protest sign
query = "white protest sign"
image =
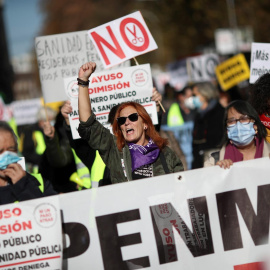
(25, 111)
(5, 112)
(202, 68)
(207, 218)
(109, 88)
(178, 73)
(233, 41)
(31, 235)
(122, 39)
(60, 56)
(259, 60)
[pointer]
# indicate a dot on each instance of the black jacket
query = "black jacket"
(87, 155)
(27, 188)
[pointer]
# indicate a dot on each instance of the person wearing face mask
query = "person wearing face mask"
(245, 136)
(208, 127)
(15, 183)
(136, 150)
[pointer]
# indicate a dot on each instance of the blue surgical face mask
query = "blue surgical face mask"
(193, 102)
(241, 134)
(7, 158)
(52, 123)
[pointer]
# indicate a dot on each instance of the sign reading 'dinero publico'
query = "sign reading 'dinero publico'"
(109, 88)
(122, 39)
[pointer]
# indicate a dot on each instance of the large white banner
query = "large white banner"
(109, 88)
(207, 218)
(60, 56)
(260, 60)
(31, 235)
(122, 39)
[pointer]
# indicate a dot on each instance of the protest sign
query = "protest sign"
(183, 135)
(178, 74)
(30, 235)
(25, 111)
(60, 56)
(207, 218)
(5, 112)
(231, 41)
(202, 68)
(122, 39)
(232, 71)
(109, 88)
(259, 60)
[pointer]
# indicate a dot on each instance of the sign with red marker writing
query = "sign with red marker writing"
(122, 39)
(60, 56)
(110, 88)
(31, 235)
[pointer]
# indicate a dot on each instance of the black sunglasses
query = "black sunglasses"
(132, 117)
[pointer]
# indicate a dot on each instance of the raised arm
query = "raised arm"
(84, 103)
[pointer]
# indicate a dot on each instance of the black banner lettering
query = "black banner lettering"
(258, 225)
(111, 242)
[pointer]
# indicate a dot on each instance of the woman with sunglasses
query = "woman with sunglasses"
(136, 151)
(245, 136)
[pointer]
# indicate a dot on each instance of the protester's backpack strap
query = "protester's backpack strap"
(164, 163)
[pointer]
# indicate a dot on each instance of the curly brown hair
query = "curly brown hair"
(260, 94)
(150, 132)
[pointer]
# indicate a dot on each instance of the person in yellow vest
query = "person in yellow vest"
(15, 183)
(32, 138)
(99, 173)
(57, 163)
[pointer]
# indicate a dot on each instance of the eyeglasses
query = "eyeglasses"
(243, 120)
(132, 117)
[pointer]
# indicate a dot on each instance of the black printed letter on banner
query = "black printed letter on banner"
(258, 225)
(111, 242)
(79, 239)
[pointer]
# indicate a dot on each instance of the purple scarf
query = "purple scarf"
(143, 155)
(231, 152)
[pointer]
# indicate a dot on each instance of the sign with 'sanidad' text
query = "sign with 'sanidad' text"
(122, 39)
(60, 56)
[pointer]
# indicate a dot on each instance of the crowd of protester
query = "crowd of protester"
(202, 126)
